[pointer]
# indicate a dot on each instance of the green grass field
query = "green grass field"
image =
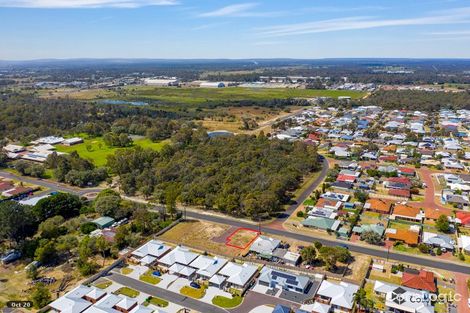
(96, 150)
(228, 303)
(205, 95)
(126, 291)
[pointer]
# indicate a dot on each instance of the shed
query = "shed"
(103, 222)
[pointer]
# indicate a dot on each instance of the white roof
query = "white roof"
(141, 309)
(319, 307)
(153, 247)
(73, 140)
(43, 148)
(341, 294)
(96, 293)
(217, 279)
(33, 201)
(182, 269)
(148, 259)
(464, 242)
(422, 306)
(265, 245)
(13, 148)
(72, 301)
(208, 266)
(126, 303)
(180, 254)
(238, 274)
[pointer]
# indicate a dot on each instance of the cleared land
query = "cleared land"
(195, 95)
(96, 150)
(201, 235)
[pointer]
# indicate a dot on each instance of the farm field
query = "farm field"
(96, 150)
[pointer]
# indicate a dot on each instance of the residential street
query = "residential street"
(165, 294)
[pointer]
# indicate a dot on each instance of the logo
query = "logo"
(398, 295)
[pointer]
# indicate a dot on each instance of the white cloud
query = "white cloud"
(230, 10)
(241, 10)
(69, 4)
(364, 22)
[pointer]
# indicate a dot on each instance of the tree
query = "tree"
(364, 303)
(108, 203)
(87, 228)
(371, 237)
(423, 248)
(46, 252)
(442, 224)
(40, 296)
(16, 221)
(50, 228)
(102, 246)
(309, 254)
(331, 255)
(171, 194)
(63, 204)
(361, 196)
(32, 272)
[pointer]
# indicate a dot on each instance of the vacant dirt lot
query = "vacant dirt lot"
(202, 236)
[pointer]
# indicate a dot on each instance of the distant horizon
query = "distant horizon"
(233, 29)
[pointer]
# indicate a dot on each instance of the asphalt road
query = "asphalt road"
(306, 193)
(170, 296)
(53, 186)
(425, 262)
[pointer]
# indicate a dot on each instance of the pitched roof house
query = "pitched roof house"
(421, 280)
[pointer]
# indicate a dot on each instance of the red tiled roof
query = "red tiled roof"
(399, 193)
(464, 217)
(405, 210)
(347, 178)
(434, 213)
(380, 205)
(406, 170)
(402, 180)
(390, 158)
(407, 236)
(424, 280)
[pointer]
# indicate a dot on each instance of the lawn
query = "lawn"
(96, 150)
(126, 270)
(379, 303)
(149, 278)
(126, 291)
(225, 302)
(156, 301)
(193, 292)
(103, 285)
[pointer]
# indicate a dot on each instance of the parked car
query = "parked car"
(10, 257)
(195, 285)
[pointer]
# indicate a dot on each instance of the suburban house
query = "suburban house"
(407, 236)
(378, 205)
(150, 252)
(409, 213)
(438, 240)
(265, 246)
(321, 223)
(464, 243)
(420, 280)
(421, 300)
(340, 297)
(93, 300)
(282, 280)
(206, 267)
(238, 275)
(177, 261)
(378, 229)
(463, 218)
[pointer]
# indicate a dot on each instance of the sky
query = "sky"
(307, 29)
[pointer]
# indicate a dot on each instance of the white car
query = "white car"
(468, 302)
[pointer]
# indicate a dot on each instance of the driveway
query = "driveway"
(255, 299)
(462, 289)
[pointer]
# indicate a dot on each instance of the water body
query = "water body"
(121, 102)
